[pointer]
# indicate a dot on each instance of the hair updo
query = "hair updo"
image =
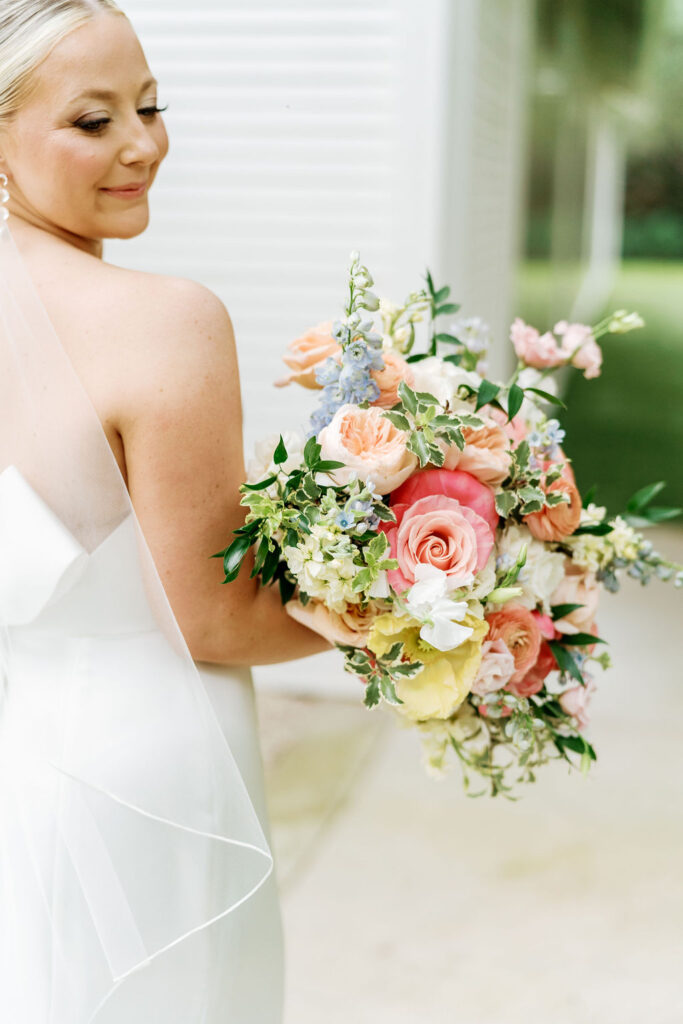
(28, 31)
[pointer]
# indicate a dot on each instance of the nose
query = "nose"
(140, 147)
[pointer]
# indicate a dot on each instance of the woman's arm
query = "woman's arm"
(182, 435)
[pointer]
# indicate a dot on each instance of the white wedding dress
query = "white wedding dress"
(136, 878)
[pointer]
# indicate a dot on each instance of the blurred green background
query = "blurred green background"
(604, 228)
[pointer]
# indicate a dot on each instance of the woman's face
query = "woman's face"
(88, 128)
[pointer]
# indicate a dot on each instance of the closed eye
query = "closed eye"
(96, 125)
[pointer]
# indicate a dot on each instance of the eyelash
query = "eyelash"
(94, 127)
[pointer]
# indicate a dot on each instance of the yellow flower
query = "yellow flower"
(446, 679)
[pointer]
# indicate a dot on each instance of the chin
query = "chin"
(130, 227)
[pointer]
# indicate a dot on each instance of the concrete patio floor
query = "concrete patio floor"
(407, 902)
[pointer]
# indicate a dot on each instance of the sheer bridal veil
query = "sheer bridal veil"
(125, 826)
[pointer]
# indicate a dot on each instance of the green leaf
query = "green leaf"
(394, 652)
(398, 419)
(280, 453)
(362, 580)
(576, 743)
(260, 557)
(447, 307)
(449, 339)
(506, 501)
(565, 660)
(311, 488)
(521, 454)
(389, 691)
(260, 486)
(372, 694)
(659, 513)
(417, 357)
(234, 555)
(418, 446)
(529, 493)
(442, 293)
(287, 586)
(515, 399)
(547, 397)
(328, 465)
(558, 611)
(430, 282)
(487, 392)
(270, 565)
(408, 397)
(599, 530)
(436, 456)
(644, 496)
(377, 547)
(581, 639)
(384, 514)
(589, 496)
(453, 358)
(312, 452)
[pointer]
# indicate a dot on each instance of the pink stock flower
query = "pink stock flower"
(576, 701)
(306, 353)
(534, 349)
(517, 627)
(388, 379)
(439, 531)
(579, 345)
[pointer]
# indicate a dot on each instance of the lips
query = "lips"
(132, 189)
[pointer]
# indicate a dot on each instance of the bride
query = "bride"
(136, 880)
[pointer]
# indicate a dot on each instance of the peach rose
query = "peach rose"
(534, 679)
(305, 354)
(496, 668)
(576, 700)
(579, 586)
(556, 522)
(437, 531)
(486, 454)
(369, 445)
(534, 349)
(454, 483)
(517, 627)
(351, 626)
(387, 380)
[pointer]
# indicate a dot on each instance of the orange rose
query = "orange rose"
(387, 380)
(486, 453)
(556, 522)
(519, 630)
(305, 354)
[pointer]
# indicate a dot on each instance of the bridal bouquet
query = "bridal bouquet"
(431, 527)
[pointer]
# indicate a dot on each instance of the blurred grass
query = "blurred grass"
(625, 428)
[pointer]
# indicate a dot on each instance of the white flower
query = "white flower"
(261, 464)
(531, 378)
(473, 332)
(428, 602)
(622, 322)
(442, 380)
(485, 580)
(542, 572)
(625, 540)
(592, 515)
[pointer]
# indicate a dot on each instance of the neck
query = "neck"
(23, 218)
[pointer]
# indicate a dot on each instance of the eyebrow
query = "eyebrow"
(106, 94)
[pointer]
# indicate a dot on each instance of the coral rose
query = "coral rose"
(579, 586)
(388, 379)
(486, 454)
(437, 531)
(518, 628)
(555, 522)
(369, 445)
(534, 349)
(305, 354)
(534, 679)
(454, 483)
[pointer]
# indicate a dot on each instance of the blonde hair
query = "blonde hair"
(29, 29)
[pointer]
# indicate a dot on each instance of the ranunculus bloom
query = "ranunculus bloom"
(446, 679)
(579, 586)
(486, 454)
(517, 627)
(556, 522)
(439, 531)
(305, 354)
(534, 679)
(454, 483)
(497, 667)
(351, 626)
(537, 350)
(369, 445)
(387, 380)
(576, 700)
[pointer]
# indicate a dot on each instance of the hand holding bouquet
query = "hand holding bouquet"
(431, 527)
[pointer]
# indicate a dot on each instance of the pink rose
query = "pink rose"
(369, 445)
(486, 454)
(576, 700)
(518, 628)
(579, 345)
(350, 627)
(454, 483)
(534, 349)
(579, 586)
(439, 531)
(387, 380)
(305, 354)
(496, 668)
